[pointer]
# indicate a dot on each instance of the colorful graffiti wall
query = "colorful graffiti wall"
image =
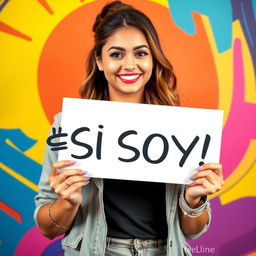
(43, 47)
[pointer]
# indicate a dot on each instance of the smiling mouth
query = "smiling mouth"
(129, 78)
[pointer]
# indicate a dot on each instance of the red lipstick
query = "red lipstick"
(129, 78)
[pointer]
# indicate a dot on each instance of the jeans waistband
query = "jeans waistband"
(130, 243)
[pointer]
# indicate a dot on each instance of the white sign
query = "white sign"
(139, 141)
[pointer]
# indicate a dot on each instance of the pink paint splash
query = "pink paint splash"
(241, 124)
(33, 243)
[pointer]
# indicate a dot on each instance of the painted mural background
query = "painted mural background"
(43, 46)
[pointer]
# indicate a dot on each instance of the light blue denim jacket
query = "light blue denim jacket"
(87, 236)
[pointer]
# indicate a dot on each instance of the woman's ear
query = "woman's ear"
(99, 62)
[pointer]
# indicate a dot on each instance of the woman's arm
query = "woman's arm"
(56, 218)
(207, 181)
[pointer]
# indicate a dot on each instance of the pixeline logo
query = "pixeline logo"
(202, 249)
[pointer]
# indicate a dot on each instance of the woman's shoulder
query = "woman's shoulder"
(57, 120)
(57, 117)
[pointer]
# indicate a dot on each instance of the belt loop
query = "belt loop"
(107, 242)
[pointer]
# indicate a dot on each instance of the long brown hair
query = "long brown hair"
(161, 87)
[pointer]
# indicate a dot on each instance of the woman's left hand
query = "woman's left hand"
(206, 181)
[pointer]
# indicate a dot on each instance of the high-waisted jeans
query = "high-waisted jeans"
(135, 247)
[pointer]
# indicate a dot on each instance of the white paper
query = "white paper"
(169, 123)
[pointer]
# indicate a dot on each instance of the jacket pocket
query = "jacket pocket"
(72, 245)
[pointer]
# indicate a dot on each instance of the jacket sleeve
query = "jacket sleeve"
(189, 210)
(46, 194)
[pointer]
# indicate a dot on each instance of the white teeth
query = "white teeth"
(130, 77)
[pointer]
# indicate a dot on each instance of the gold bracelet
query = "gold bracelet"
(51, 219)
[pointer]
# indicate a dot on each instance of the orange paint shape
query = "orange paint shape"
(46, 6)
(194, 65)
(12, 31)
(10, 211)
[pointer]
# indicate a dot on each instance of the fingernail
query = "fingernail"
(199, 168)
(83, 171)
(192, 184)
(72, 161)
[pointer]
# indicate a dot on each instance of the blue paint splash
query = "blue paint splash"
(14, 193)
(218, 11)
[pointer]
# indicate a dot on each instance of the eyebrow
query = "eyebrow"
(123, 49)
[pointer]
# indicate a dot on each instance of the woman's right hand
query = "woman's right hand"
(67, 183)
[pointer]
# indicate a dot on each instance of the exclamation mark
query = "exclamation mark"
(205, 147)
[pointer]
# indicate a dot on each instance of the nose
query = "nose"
(129, 63)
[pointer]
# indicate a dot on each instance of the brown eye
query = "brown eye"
(141, 54)
(116, 55)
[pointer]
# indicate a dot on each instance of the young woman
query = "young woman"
(119, 217)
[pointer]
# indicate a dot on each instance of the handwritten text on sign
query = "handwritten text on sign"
(137, 141)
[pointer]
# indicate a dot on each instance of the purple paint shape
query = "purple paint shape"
(54, 249)
(233, 228)
(243, 11)
(3, 5)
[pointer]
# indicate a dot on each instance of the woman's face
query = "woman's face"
(127, 64)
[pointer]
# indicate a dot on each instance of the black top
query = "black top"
(135, 209)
